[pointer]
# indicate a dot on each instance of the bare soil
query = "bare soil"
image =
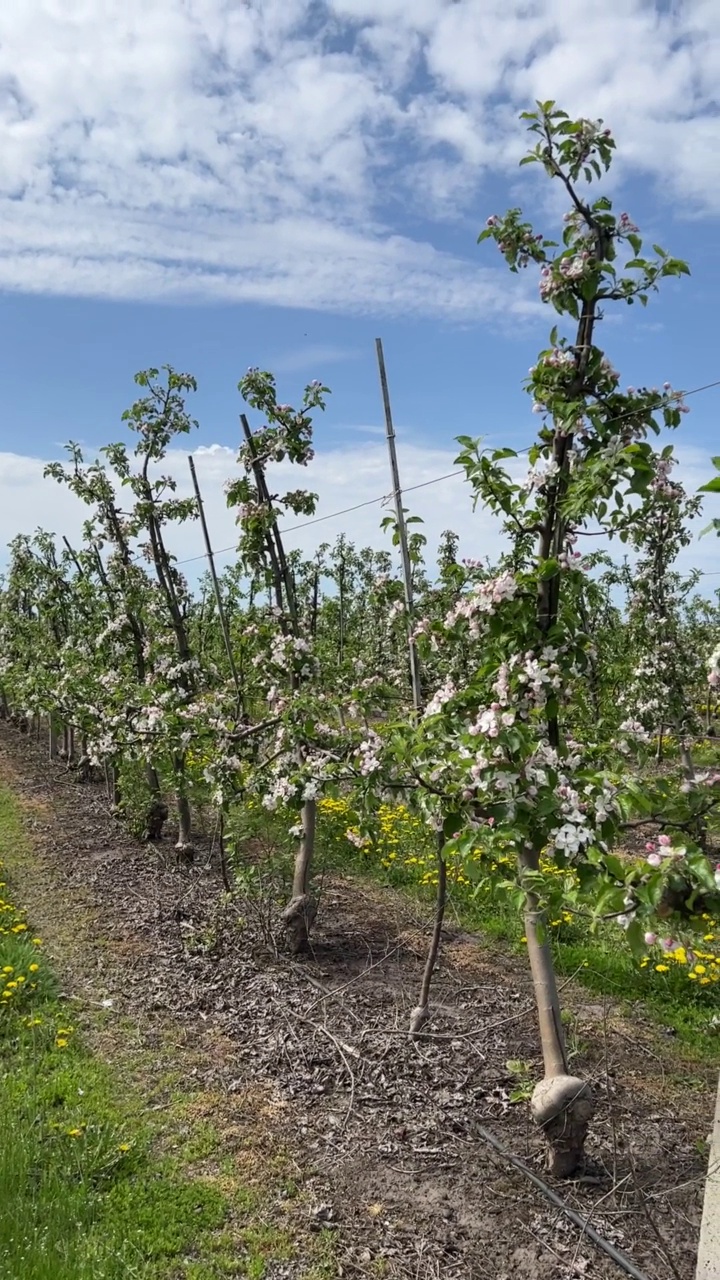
(313, 1057)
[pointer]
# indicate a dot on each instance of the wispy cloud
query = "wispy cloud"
(313, 358)
(205, 149)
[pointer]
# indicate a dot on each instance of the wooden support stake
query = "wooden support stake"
(402, 530)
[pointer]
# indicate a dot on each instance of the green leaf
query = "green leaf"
(712, 486)
(636, 939)
(547, 569)
(615, 867)
(452, 823)
(701, 870)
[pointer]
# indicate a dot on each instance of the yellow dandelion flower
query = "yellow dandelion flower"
(662, 968)
(33, 968)
(61, 1043)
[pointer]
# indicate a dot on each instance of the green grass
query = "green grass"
(95, 1184)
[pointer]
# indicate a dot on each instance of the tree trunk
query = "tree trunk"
(699, 829)
(298, 916)
(157, 812)
(52, 736)
(420, 1013)
(562, 1105)
(183, 847)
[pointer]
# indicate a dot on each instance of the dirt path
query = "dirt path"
(312, 1059)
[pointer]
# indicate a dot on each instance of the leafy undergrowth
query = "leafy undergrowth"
(679, 993)
(95, 1182)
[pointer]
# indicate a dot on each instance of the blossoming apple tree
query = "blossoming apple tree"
(492, 763)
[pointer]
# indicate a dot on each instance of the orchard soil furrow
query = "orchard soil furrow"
(383, 1131)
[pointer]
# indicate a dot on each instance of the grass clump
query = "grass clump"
(94, 1184)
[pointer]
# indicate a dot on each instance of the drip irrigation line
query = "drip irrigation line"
(621, 1259)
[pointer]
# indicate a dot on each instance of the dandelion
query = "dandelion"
(662, 968)
(33, 968)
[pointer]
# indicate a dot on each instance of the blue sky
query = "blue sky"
(215, 184)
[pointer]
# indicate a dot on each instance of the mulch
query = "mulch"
(384, 1129)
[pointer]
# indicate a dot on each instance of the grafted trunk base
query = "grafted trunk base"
(185, 852)
(418, 1017)
(296, 922)
(563, 1107)
(155, 819)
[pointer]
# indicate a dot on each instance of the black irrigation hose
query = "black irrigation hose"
(617, 1256)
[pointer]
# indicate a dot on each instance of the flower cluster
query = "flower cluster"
(662, 848)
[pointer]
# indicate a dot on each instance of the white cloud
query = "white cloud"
(196, 149)
(313, 357)
(343, 478)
